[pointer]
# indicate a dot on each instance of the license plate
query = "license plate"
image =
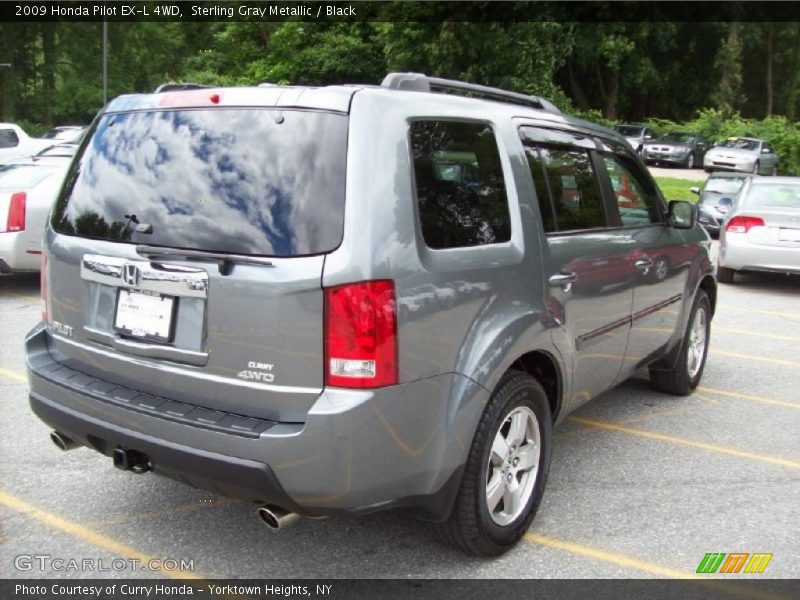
(789, 235)
(147, 316)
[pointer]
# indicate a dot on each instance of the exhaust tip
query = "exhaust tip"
(269, 518)
(62, 441)
(276, 518)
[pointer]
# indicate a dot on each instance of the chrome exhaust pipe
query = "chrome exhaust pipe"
(63, 442)
(276, 518)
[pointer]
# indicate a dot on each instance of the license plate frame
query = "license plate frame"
(151, 307)
(787, 234)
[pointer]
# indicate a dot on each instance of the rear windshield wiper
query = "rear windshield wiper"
(226, 261)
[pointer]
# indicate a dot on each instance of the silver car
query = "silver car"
(636, 135)
(762, 230)
(27, 191)
(250, 291)
(749, 155)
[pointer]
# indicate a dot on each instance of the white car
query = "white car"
(27, 192)
(748, 155)
(15, 143)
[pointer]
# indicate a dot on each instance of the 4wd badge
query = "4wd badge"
(257, 371)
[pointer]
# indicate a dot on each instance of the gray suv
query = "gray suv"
(347, 299)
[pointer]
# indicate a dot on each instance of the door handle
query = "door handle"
(563, 279)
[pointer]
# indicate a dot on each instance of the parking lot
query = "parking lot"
(642, 484)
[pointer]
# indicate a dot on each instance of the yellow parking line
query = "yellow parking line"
(774, 361)
(772, 313)
(771, 336)
(611, 426)
(762, 399)
(85, 534)
(13, 375)
(629, 562)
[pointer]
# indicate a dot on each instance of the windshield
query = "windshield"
(628, 130)
(678, 138)
(774, 195)
(724, 185)
(240, 181)
(740, 144)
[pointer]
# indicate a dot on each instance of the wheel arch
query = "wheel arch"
(542, 366)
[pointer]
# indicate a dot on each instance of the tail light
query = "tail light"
(361, 335)
(743, 224)
(43, 286)
(16, 212)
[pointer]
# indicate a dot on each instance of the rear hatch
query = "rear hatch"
(187, 255)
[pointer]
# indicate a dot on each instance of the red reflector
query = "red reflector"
(361, 335)
(215, 98)
(743, 224)
(16, 212)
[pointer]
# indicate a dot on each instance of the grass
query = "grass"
(678, 189)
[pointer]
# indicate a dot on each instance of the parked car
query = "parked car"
(52, 154)
(748, 155)
(249, 291)
(676, 148)
(27, 192)
(70, 134)
(762, 230)
(636, 135)
(15, 143)
(716, 198)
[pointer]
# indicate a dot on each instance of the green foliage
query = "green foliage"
(675, 188)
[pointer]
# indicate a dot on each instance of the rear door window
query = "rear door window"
(242, 181)
(8, 138)
(461, 193)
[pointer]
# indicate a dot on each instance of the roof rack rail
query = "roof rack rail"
(419, 82)
(177, 87)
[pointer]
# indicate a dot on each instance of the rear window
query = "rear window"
(773, 195)
(241, 181)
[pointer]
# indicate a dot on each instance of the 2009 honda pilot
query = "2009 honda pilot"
(353, 298)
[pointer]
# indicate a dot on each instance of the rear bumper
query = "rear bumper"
(358, 451)
(14, 256)
(741, 255)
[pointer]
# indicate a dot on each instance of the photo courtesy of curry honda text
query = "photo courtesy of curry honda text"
(248, 290)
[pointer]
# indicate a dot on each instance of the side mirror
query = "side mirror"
(695, 190)
(681, 214)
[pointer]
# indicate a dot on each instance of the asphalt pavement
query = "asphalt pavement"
(642, 484)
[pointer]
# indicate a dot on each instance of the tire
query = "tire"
(756, 168)
(725, 275)
(472, 527)
(690, 162)
(684, 376)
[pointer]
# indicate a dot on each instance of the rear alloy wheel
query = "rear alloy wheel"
(683, 377)
(506, 470)
(690, 162)
(756, 168)
(725, 275)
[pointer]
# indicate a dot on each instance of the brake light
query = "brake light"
(743, 224)
(43, 286)
(16, 212)
(361, 335)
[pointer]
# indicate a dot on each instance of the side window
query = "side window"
(8, 138)
(567, 174)
(637, 201)
(461, 193)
